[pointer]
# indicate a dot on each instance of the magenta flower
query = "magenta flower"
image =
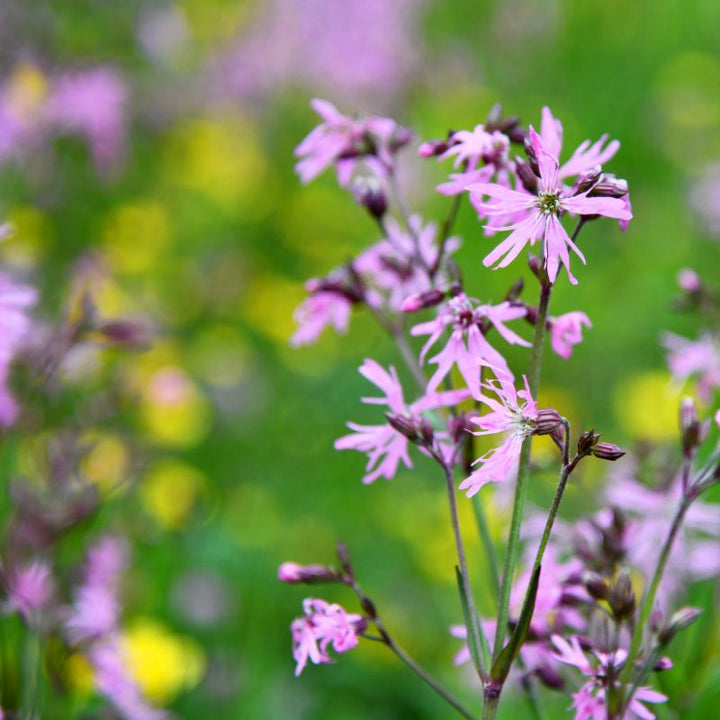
(323, 625)
(585, 158)
(566, 331)
(343, 141)
(506, 415)
(467, 347)
(30, 589)
(589, 701)
(695, 357)
(387, 447)
(317, 312)
(542, 213)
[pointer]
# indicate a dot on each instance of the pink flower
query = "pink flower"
(566, 331)
(317, 312)
(342, 141)
(589, 701)
(695, 357)
(323, 625)
(542, 213)
(689, 281)
(398, 266)
(30, 589)
(717, 418)
(506, 415)
(467, 346)
(92, 103)
(585, 158)
(385, 446)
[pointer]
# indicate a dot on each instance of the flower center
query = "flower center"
(549, 203)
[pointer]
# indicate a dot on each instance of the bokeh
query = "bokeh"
(146, 158)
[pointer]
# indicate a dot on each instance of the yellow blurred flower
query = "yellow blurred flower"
(162, 663)
(30, 236)
(135, 236)
(170, 490)
(647, 406)
(25, 91)
(270, 303)
(173, 410)
(79, 674)
(107, 462)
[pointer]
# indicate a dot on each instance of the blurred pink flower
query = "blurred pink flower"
(589, 701)
(699, 357)
(30, 588)
(318, 311)
(506, 415)
(323, 625)
(705, 199)
(92, 103)
(566, 331)
(385, 446)
(542, 213)
(343, 141)
(467, 346)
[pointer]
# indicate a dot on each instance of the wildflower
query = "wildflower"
(30, 589)
(542, 213)
(318, 311)
(566, 331)
(699, 357)
(385, 445)
(343, 141)
(589, 701)
(324, 624)
(506, 415)
(467, 346)
(290, 572)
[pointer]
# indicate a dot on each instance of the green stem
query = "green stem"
(445, 231)
(478, 636)
(421, 672)
(513, 546)
(484, 530)
(650, 594)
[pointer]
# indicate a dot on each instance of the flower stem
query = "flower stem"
(484, 530)
(513, 546)
(445, 231)
(421, 672)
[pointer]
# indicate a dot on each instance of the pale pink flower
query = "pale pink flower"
(689, 281)
(507, 415)
(705, 199)
(324, 625)
(717, 418)
(385, 446)
(467, 347)
(586, 157)
(589, 701)
(542, 213)
(398, 266)
(30, 589)
(699, 357)
(343, 141)
(566, 331)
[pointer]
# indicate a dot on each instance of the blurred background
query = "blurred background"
(152, 143)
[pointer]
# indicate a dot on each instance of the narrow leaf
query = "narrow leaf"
(507, 656)
(474, 650)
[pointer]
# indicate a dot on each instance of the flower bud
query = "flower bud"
(664, 663)
(550, 677)
(527, 177)
(343, 556)
(433, 148)
(532, 157)
(292, 573)
(679, 621)
(689, 281)
(125, 333)
(621, 597)
(547, 422)
(609, 186)
(596, 585)
(422, 300)
(607, 451)
(588, 180)
(586, 442)
(691, 429)
(368, 192)
(515, 290)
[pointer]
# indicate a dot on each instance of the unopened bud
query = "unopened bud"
(291, 572)
(547, 422)
(550, 677)
(343, 556)
(587, 441)
(368, 192)
(607, 451)
(679, 621)
(368, 607)
(664, 663)
(418, 431)
(609, 186)
(459, 427)
(422, 300)
(621, 597)
(691, 429)
(515, 290)
(125, 333)
(588, 180)
(596, 585)
(433, 148)
(532, 157)
(527, 176)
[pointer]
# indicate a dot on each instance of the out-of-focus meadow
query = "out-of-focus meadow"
(146, 152)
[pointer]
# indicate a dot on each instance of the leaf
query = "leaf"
(474, 650)
(506, 658)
